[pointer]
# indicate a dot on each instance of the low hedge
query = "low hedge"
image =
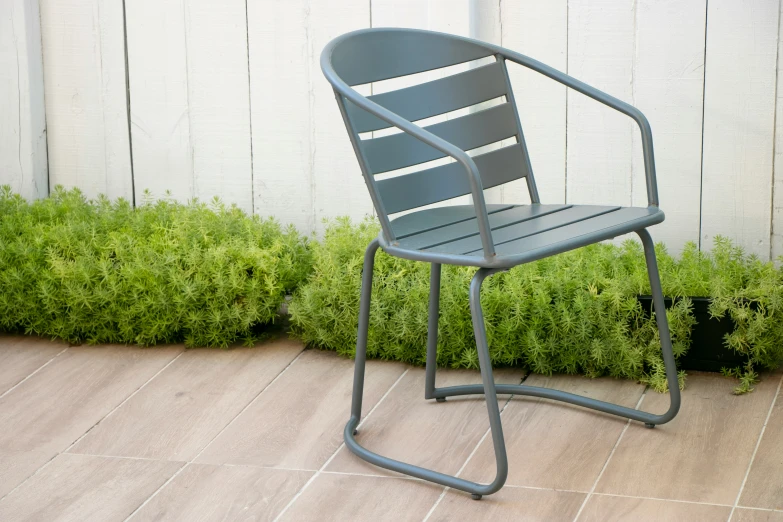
(574, 313)
(100, 271)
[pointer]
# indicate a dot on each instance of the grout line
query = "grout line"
(189, 462)
(608, 459)
(756, 449)
(129, 397)
(171, 478)
(57, 454)
(662, 499)
(44, 365)
(248, 405)
(329, 460)
(467, 461)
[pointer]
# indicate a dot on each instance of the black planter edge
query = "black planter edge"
(708, 351)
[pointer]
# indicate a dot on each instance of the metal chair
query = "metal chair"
(490, 237)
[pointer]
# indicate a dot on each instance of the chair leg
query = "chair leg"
(477, 490)
(432, 333)
(488, 387)
(663, 329)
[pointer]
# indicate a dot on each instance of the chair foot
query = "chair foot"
(440, 399)
(649, 425)
(475, 496)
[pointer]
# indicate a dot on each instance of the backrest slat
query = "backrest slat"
(434, 97)
(467, 132)
(391, 53)
(450, 181)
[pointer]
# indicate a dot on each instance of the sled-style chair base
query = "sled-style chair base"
(491, 238)
(489, 389)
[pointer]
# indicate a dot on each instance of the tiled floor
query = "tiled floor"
(118, 433)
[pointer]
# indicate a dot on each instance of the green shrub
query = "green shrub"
(574, 313)
(101, 271)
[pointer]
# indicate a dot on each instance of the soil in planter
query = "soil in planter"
(708, 351)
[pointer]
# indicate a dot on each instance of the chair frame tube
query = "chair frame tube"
(488, 387)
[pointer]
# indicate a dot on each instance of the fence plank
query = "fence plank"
(160, 111)
(218, 100)
(84, 84)
(776, 246)
(280, 94)
(599, 139)
(539, 30)
(668, 85)
(22, 123)
(739, 103)
(339, 186)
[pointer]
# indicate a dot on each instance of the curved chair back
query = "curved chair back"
(374, 55)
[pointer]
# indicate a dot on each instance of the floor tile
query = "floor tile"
(52, 409)
(204, 492)
(297, 423)
(764, 488)
(700, 456)
(755, 515)
(603, 508)
(16, 466)
(434, 435)
(22, 355)
(350, 497)
(510, 504)
(80, 487)
(557, 445)
(187, 404)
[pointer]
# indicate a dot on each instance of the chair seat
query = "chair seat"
(521, 233)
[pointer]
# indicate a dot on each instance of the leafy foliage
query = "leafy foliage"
(577, 312)
(102, 271)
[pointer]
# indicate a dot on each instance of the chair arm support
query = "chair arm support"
(422, 134)
(606, 99)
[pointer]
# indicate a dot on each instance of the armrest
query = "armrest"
(606, 99)
(477, 189)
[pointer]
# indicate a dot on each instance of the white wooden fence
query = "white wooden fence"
(207, 98)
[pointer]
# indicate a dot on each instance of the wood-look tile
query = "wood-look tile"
(22, 355)
(52, 409)
(15, 467)
(187, 404)
(764, 488)
(557, 445)
(603, 508)
(756, 515)
(81, 487)
(510, 504)
(350, 497)
(204, 492)
(700, 456)
(434, 435)
(297, 422)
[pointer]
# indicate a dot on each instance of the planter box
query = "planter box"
(708, 351)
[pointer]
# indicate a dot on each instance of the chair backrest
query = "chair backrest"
(374, 55)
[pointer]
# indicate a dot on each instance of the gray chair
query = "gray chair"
(492, 238)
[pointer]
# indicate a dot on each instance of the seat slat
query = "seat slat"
(390, 53)
(523, 230)
(450, 181)
(469, 228)
(624, 220)
(434, 98)
(468, 132)
(433, 218)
